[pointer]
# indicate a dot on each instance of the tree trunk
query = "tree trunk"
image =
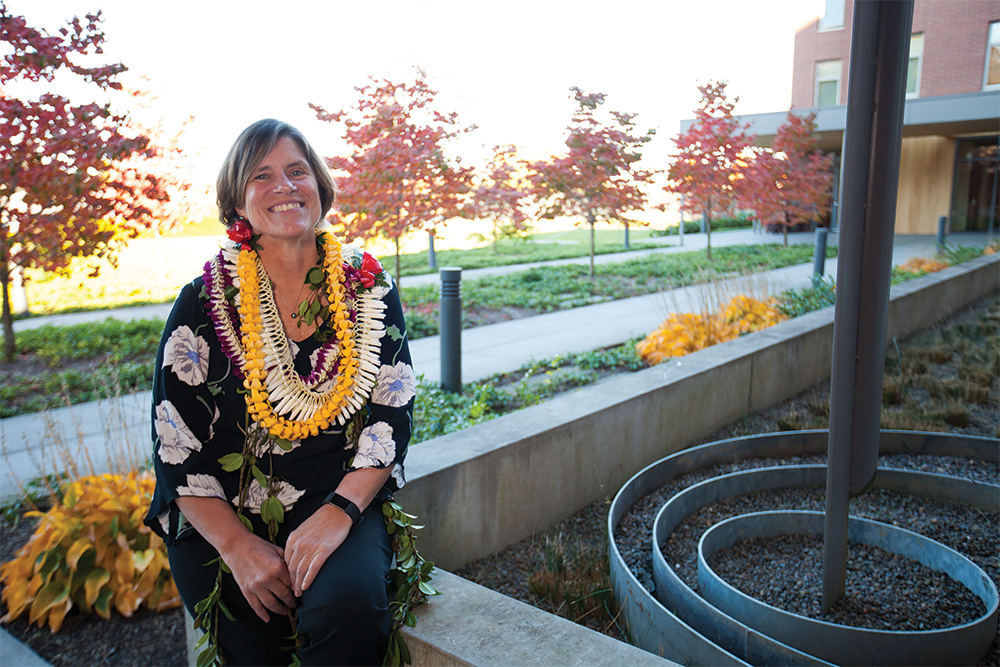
(785, 226)
(398, 285)
(627, 247)
(591, 221)
(7, 317)
(708, 235)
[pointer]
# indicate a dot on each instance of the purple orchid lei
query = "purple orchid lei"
(218, 281)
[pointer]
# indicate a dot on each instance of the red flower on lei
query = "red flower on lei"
(240, 231)
(368, 271)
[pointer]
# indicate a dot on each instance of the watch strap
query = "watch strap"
(348, 507)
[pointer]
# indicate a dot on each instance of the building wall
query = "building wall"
(926, 170)
(954, 59)
(955, 35)
(812, 46)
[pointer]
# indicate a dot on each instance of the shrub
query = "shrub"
(92, 552)
(683, 333)
(795, 302)
(922, 265)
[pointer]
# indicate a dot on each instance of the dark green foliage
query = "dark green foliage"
(112, 358)
(799, 301)
(110, 339)
(439, 412)
(718, 224)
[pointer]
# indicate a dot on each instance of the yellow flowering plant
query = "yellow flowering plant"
(922, 265)
(683, 333)
(92, 552)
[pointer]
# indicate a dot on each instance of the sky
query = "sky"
(506, 69)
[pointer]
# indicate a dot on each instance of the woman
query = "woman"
(282, 404)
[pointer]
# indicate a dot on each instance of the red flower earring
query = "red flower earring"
(240, 231)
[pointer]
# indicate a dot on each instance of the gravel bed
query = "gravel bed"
(883, 591)
(787, 572)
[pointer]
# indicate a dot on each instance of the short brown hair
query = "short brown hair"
(249, 150)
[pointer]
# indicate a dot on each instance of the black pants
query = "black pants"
(343, 618)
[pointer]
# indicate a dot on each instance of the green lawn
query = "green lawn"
(537, 248)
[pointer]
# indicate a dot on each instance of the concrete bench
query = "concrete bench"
(472, 625)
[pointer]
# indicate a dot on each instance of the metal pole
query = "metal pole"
(993, 202)
(819, 251)
(450, 325)
(704, 221)
(876, 95)
(942, 230)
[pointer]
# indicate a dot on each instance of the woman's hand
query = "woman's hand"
(260, 571)
(310, 544)
(257, 565)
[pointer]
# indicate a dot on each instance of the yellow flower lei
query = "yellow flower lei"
(262, 337)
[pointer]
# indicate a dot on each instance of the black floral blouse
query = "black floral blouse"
(199, 416)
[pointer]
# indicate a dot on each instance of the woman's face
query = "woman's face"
(282, 197)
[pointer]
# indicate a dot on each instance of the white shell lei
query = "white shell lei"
(290, 396)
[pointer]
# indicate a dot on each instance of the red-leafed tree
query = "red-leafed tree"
(599, 177)
(790, 185)
(73, 182)
(397, 179)
(500, 196)
(708, 167)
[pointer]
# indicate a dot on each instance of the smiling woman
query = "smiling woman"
(272, 446)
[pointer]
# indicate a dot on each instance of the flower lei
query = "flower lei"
(289, 406)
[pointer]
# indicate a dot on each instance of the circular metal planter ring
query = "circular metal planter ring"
(845, 645)
(685, 627)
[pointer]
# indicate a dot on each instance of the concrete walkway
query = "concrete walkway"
(119, 429)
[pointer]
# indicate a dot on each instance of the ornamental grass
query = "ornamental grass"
(91, 551)
(683, 333)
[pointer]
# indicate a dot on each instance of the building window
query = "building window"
(833, 16)
(828, 83)
(991, 81)
(914, 65)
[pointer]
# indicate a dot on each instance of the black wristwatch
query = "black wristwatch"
(349, 508)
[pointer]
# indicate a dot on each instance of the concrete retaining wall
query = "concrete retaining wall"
(486, 487)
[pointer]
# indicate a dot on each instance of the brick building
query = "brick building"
(950, 159)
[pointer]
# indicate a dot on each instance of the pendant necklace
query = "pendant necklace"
(295, 312)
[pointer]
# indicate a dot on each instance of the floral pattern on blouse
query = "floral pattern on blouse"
(376, 448)
(395, 386)
(202, 486)
(256, 495)
(199, 417)
(177, 442)
(187, 355)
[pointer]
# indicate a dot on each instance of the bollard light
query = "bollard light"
(450, 325)
(942, 230)
(819, 251)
